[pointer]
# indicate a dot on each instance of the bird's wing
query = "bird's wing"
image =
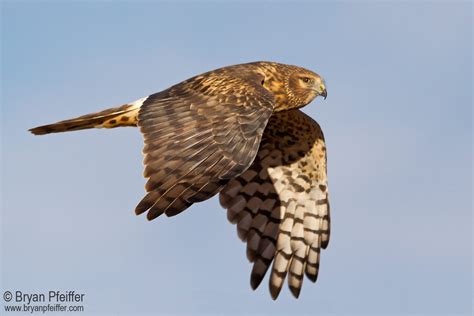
(198, 135)
(280, 204)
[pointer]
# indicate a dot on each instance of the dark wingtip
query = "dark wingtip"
(255, 280)
(325, 244)
(145, 204)
(312, 277)
(139, 209)
(295, 291)
(38, 131)
(153, 213)
(274, 291)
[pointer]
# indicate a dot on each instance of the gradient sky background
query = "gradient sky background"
(398, 125)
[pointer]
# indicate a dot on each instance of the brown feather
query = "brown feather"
(125, 115)
(280, 202)
(205, 141)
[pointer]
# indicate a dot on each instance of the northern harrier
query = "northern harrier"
(237, 130)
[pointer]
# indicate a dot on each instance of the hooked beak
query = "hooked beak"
(324, 93)
(320, 89)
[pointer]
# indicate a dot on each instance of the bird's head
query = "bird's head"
(292, 87)
(303, 86)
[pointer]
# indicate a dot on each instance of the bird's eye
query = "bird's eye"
(306, 79)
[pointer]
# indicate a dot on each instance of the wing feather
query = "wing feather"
(280, 204)
(197, 139)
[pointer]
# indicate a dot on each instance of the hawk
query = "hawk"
(237, 131)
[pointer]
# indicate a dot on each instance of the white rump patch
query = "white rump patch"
(137, 104)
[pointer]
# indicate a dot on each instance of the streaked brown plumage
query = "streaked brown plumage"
(237, 130)
(280, 204)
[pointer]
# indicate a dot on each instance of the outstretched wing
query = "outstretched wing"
(198, 135)
(280, 204)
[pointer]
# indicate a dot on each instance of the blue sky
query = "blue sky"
(398, 126)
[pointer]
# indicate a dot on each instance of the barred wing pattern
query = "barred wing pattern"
(280, 204)
(198, 137)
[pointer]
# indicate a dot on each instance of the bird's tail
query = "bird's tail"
(125, 115)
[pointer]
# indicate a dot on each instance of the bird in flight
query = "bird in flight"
(237, 131)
